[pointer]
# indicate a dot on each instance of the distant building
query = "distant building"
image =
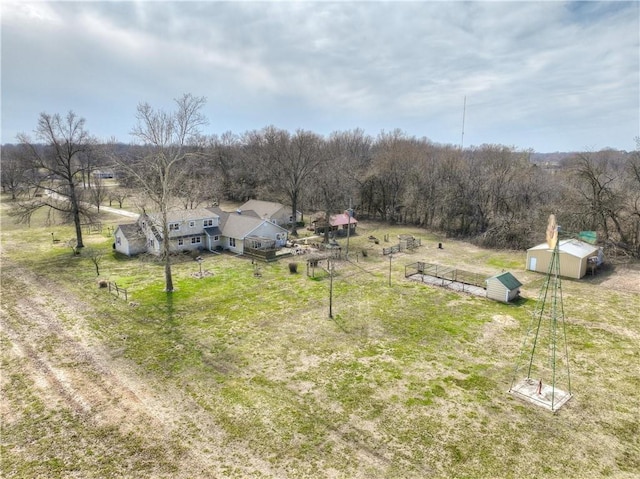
(103, 174)
(338, 224)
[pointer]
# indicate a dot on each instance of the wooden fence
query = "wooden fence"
(91, 228)
(117, 290)
(404, 244)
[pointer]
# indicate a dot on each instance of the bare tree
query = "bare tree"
(118, 195)
(59, 167)
(13, 170)
(633, 198)
(328, 190)
(224, 159)
(393, 158)
(98, 192)
(167, 141)
(196, 187)
(292, 160)
(95, 256)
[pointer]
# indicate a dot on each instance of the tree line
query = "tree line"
(494, 195)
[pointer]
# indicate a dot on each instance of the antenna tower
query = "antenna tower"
(464, 112)
(544, 358)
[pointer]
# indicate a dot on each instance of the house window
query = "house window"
(192, 224)
(290, 219)
(208, 223)
(216, 238)
(174, 226)
(232, 242)
(118, 242)
(195, 240)
(180, 242)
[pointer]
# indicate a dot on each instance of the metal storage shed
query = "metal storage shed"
(503, 287)
(573, 256)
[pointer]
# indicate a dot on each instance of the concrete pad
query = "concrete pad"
(546, 396)
(446, 283)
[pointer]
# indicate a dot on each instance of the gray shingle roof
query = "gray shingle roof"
(131, 231)
(262, 208)
(184, 215)
(238, 225)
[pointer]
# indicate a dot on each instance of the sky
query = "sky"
(546, 75)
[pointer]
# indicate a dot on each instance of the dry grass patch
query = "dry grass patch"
(248, 377)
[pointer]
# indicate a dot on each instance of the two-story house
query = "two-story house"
(199, 229)
(188, 230)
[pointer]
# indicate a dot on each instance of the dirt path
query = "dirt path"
(71, 370)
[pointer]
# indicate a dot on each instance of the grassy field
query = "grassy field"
(236, 375)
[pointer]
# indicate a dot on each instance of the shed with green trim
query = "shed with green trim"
(503, 287)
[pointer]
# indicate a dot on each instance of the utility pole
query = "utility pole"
(349, 215)
(464, 111)
(330, 265)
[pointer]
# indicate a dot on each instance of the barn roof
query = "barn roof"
(574, 247)
(508, 280)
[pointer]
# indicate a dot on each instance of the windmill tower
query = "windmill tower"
(542, 373)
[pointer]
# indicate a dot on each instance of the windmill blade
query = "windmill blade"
(552, 232)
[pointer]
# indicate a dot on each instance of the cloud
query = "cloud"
(523, 66)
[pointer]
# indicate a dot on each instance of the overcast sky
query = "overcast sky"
(552, 76)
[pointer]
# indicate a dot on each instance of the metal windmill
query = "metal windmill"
(542, 374)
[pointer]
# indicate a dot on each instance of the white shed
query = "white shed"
(129, 239)
(503, 287)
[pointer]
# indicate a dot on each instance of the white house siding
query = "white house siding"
(503, 287)
(271, 230)
(231, 229)
(239, 245)
(188, 244)
(129, 240)
(122, 243)
(190, 224)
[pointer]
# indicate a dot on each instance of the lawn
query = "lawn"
(237, 375)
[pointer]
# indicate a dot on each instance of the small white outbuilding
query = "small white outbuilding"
(503, 287)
